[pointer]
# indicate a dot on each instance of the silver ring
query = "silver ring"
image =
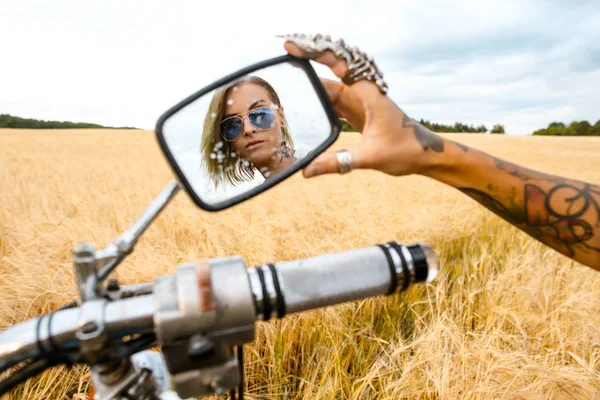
(345, 159)
(360, 65)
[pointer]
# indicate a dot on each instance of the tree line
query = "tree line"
(10, 121)
(576, 128)
(458, 127)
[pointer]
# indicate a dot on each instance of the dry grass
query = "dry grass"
(507, 318)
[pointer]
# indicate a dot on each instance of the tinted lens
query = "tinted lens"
(231, 128)
(262, 118)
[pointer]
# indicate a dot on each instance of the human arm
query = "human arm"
(560, 212)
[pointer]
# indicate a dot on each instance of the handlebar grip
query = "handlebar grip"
(300, 285)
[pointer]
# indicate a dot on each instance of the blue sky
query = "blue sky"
(521, 64)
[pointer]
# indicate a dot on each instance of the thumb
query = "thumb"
(347, 104)
(327, 163)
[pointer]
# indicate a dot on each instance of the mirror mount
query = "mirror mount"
(93, 267)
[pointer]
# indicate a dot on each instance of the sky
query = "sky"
(522, 64)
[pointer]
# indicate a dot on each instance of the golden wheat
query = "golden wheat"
(507, 317)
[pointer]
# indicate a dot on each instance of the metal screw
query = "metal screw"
(219, 390)
(89, 327)
(84, 250)
(113, 285)
(200, 348)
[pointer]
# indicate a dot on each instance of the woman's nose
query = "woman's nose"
(248, 127)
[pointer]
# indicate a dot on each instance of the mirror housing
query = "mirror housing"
(170, 138)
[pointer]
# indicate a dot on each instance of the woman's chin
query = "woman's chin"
(262, 158)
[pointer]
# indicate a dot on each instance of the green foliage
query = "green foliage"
(499, 129)
(576, 128)
(581, 128)
(594, 130)
(10, 121)
(457, 127)
(346, 127)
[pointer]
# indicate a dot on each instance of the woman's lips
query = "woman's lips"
(254, 144)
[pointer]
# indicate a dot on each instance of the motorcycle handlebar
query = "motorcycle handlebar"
(57, 331)
(224, 296)
(305, 284)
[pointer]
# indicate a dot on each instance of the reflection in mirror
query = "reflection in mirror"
(242, 134)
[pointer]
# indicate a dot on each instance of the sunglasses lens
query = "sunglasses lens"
(262, 118)
(232, 128)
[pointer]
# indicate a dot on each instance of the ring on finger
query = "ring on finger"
(344, 158)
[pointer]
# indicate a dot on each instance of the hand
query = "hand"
(539, 204)
(392, 142)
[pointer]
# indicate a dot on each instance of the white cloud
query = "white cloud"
(125, 62)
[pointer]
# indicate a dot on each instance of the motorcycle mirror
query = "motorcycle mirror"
(248, 131)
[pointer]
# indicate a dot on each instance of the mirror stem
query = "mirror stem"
(115, 252)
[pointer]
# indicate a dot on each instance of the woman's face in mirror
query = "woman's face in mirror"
(259, 146)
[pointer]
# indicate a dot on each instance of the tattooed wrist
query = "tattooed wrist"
(426, 138)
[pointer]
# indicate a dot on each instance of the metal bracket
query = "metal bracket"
(91, 333)
(108, 258)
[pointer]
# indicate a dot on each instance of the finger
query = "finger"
(347, 104)
(327, 163)
(334, 90)
(337, 65)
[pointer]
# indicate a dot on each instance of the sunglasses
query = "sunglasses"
(262, 118)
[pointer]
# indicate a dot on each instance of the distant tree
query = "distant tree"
(556, 125)
(346, 127)
(457, 127)
(576, 128)
(594, 130)
(498, 129)
(9, 121)
(581, 128)
(426, 124)
(558, 131)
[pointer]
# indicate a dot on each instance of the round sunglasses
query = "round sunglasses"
(262, 118)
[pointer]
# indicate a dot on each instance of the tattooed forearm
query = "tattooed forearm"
(524, 174)
(513, 215)
(562, 213)
(426, 138)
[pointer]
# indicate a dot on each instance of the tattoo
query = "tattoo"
(557, 215)
(407, 122)
(424, 136)
(565, 216)
(525, 174)
(492, 204)
(462, 147)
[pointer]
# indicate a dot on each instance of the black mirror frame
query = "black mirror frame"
(325, 102)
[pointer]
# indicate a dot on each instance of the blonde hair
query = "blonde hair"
(216, 152)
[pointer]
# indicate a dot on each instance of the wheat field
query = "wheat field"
(506, 318)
